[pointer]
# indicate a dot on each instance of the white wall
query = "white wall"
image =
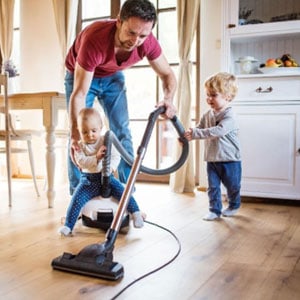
(41, 69)
(210, 38)
(41, 61)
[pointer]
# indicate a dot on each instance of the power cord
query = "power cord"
(157, 269)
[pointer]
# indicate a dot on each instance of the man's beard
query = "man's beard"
(125, 45)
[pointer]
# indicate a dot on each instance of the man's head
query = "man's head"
(134, 24)
(142, 9)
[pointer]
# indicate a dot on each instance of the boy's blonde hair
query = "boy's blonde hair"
(223, 83)
(87, 113)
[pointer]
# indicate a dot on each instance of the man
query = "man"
(94, 69)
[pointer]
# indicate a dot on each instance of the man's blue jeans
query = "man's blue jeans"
(111, 94)
(228, 173)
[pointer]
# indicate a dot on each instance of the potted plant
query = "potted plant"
(11, 68)
(244, 14)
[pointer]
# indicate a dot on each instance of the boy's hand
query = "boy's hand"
(188, 134)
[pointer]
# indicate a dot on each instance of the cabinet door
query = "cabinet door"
(270, 150)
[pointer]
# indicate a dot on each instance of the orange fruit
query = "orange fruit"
(288, 63)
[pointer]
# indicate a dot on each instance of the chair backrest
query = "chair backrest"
(4, 108)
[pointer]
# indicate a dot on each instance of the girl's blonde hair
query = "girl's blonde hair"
(223, 83)
(87, 113)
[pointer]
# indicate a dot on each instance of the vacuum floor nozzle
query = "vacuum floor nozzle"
(90, 261)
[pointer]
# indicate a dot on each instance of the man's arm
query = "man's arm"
(82, 82)
(169, 83)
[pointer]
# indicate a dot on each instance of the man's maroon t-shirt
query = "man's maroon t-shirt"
(94, 50)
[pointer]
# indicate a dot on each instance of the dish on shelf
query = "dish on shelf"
(287, 17)
(280, 70)
(246, 64)
(246, 58)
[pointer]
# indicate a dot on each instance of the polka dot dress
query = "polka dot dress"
(90, 187)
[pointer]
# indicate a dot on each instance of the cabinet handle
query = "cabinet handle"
(298, 151)
(260, 90)
(231, 25)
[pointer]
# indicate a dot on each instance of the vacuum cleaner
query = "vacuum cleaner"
(99, 211)
(96, 260)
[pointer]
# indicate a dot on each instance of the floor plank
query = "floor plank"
(254, 255)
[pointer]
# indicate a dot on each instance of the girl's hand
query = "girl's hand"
(101, 152)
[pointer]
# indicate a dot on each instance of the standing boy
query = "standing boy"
(219, 128)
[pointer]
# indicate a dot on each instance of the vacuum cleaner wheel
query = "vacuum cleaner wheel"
(104, 220)
(99, 213)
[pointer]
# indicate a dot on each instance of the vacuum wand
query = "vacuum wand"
(116, 223)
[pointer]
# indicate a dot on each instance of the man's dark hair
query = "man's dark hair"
(142, 9)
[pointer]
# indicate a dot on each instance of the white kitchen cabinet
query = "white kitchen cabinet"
(270, 139)
(267, 105)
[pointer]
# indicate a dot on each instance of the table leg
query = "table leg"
(50, 164)
(50, 115)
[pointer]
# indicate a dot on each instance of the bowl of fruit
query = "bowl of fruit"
(285, 64)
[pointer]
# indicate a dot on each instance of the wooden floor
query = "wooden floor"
(255, 255)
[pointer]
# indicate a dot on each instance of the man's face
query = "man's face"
(132, 33)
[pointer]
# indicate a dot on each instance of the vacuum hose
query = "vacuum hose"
(110, 139)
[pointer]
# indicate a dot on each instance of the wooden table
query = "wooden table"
(50, 103)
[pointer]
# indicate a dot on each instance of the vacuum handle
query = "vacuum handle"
(105, 178)
(150, 125)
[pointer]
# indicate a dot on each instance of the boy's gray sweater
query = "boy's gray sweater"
(220, 131)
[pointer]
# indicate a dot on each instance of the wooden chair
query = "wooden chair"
(9, 135)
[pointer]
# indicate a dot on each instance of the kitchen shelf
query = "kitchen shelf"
(257, 32)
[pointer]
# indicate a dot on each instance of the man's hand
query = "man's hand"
(170, 108)
(74, 147)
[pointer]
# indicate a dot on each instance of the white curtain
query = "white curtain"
(6, 27)
(187, 15)
(65, 12)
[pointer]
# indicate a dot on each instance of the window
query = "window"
(94, 10)
(143, 86)
(15, 56)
